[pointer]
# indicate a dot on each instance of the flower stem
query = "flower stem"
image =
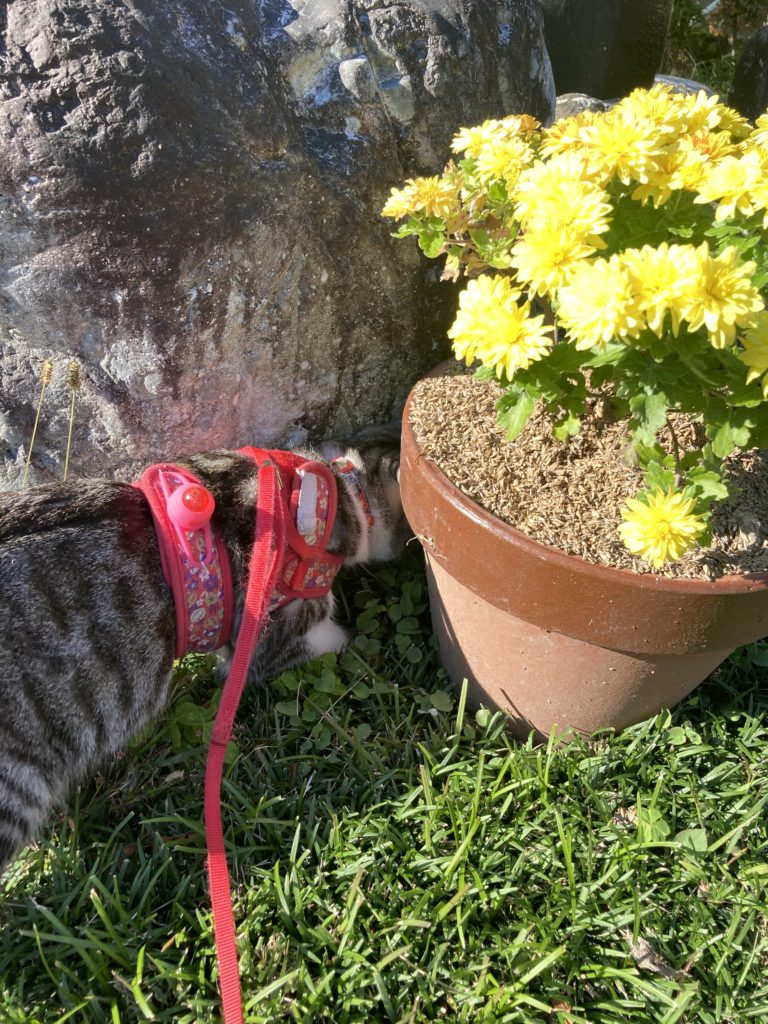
(675, 453)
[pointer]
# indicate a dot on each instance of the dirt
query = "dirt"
(570, 494)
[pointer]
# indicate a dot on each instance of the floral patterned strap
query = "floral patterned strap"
(195, 565)
(352, 475)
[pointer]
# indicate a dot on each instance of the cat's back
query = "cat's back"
(86, 639)
(78, 552)
(86, 621)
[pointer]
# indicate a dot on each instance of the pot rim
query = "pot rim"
(734, 583)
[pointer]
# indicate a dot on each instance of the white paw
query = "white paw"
(326, 636)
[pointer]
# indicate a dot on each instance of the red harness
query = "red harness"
(194, 557)
(295, 514)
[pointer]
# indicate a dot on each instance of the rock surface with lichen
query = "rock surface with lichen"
(189, 206)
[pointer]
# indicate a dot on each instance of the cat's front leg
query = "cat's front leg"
(299, 631)
(326, 636)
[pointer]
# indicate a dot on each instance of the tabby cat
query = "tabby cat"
(87, 627)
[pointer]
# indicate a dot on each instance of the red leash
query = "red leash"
(289, 560)
(266, 558)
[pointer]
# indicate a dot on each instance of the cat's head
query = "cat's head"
(375, 454)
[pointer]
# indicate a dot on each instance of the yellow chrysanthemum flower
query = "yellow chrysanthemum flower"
(760, 134)
(472, 140)
(542, 181)
(732, 121)
(660, 104)
(400, 203)
(598, 304)
(700, 151)
(503, 160)
(730, 183)
(707, 113)
(759, 197)
(437, 197)
(553, 193)
(564, 136)
(663, 278)
(623, 146)
(662, 530)
(755, 353)
(723, 297)
(521, 124)
(545, 259)
(664, 176)
(491, 326)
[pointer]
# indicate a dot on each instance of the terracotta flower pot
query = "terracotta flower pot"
(556, 641)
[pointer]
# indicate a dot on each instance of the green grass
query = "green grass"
(398, 857)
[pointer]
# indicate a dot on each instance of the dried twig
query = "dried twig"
(46, 370)
(73, 377)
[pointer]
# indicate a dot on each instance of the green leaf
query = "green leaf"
(442, 701)
(694, 839)
(652, 826)
(708, 483)
(329, 683)
(432, 237)
(677, 736)
(514, 411)
(368, 620)
(727, 437)
(567, 427)
(649, 411)
(483, 717)
(409, 626)
(321, 736)
(485, 373)
(610, 355)
(497, 193)
(431, 244)
(659, 477)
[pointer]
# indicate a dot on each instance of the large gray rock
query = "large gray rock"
(605, 48)
(749, 94)
(190, 207)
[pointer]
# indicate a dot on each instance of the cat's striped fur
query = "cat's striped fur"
(87, 625)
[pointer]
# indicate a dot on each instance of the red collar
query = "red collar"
(194, 557)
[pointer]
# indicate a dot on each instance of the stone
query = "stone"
(749, 94)
(189, 208)
(605, 48)
(572, 103)
(684, 85)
